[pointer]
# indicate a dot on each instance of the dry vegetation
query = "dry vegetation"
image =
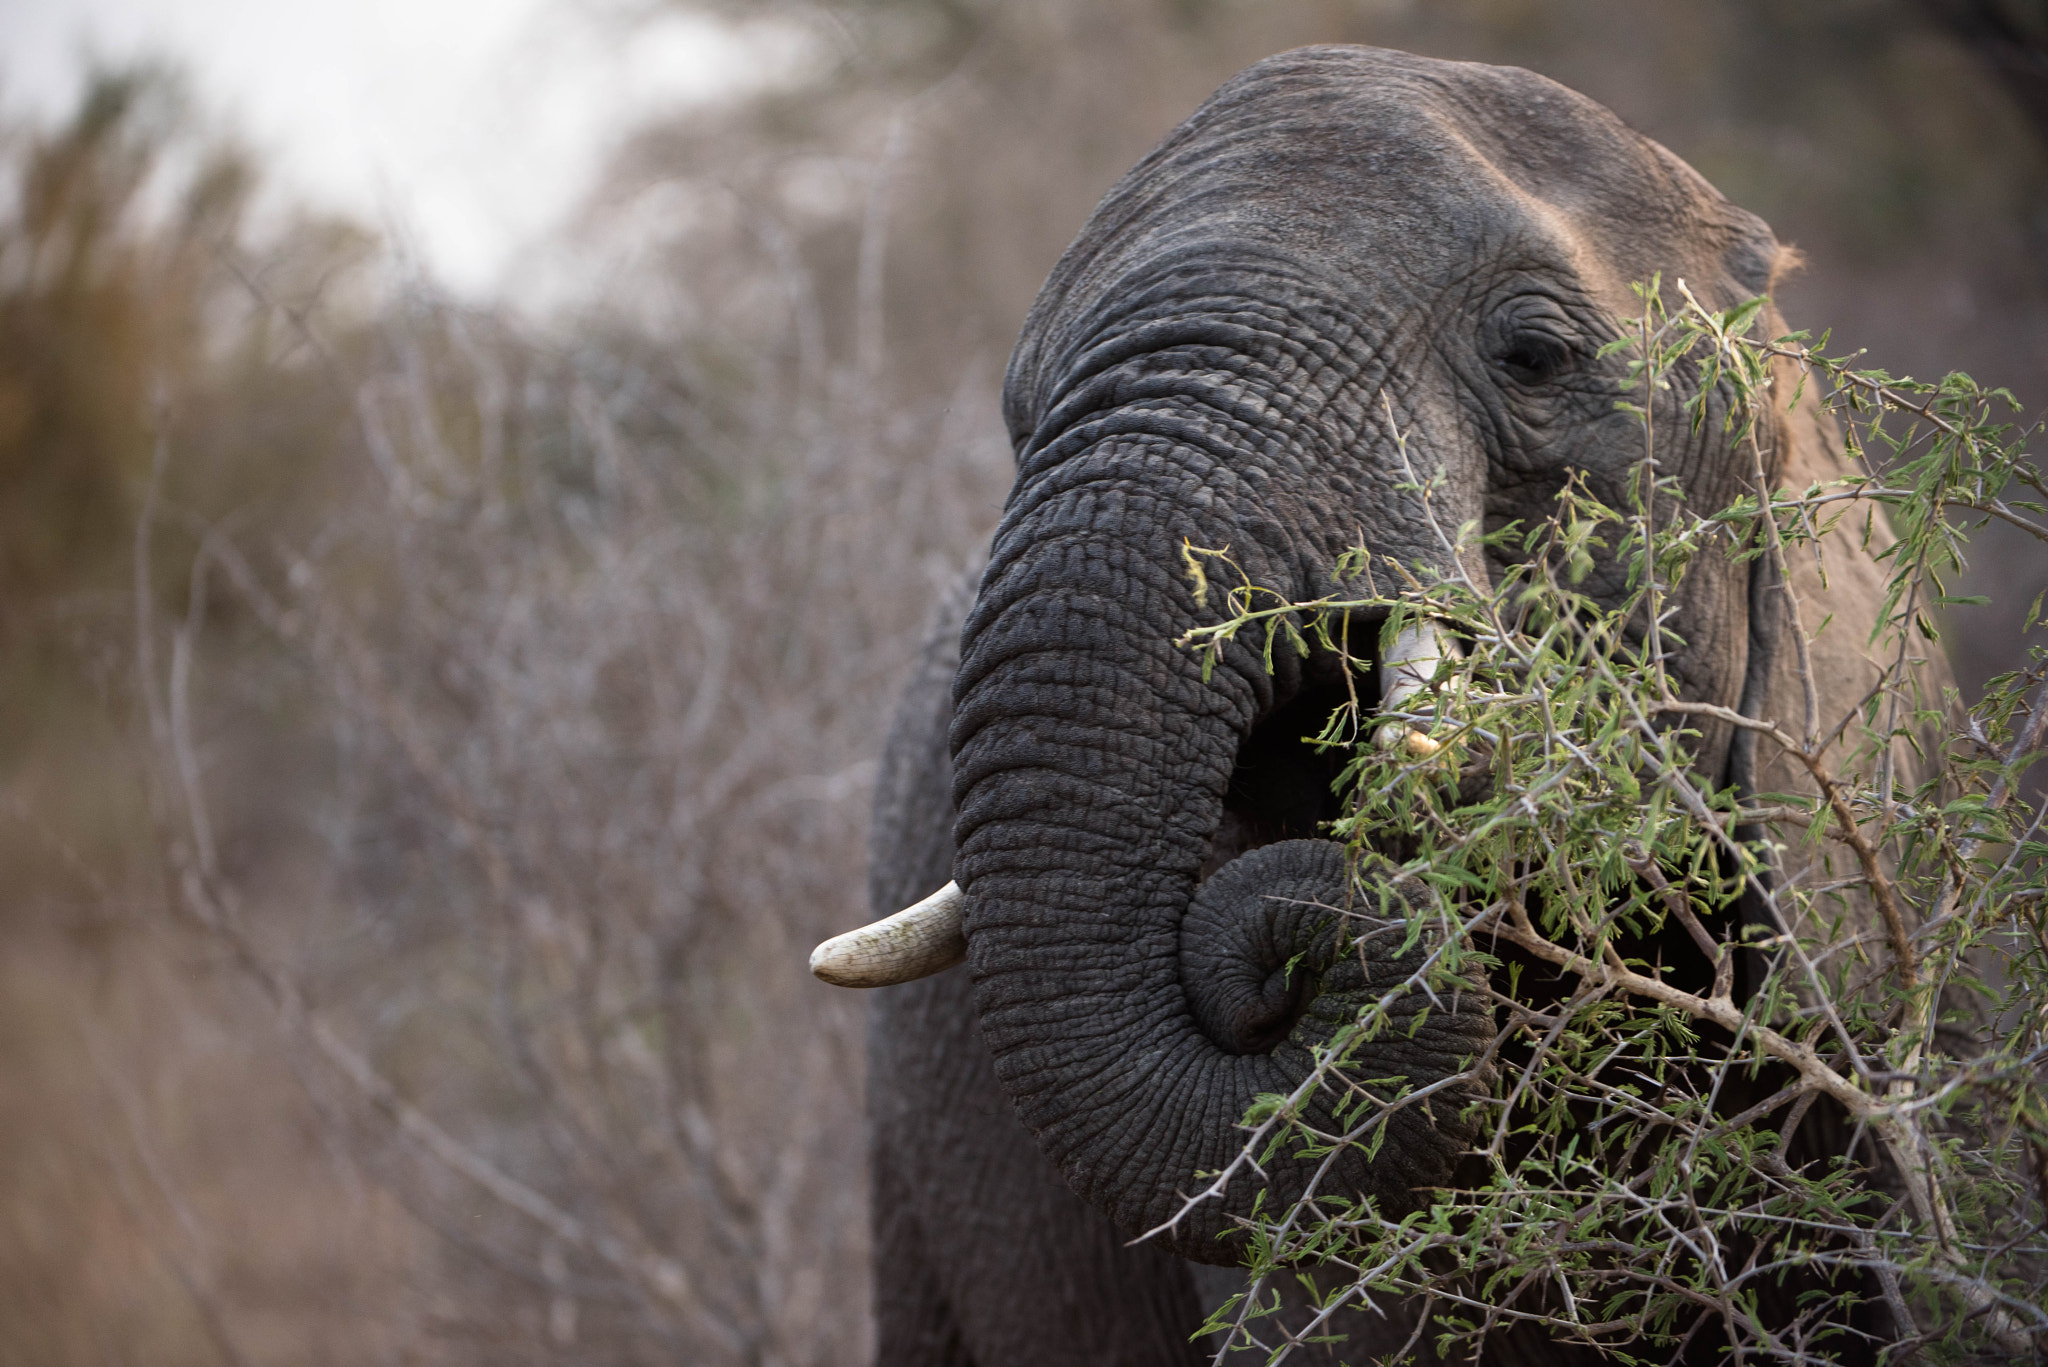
(413, 864)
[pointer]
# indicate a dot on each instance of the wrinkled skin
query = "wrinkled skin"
(1341, 244)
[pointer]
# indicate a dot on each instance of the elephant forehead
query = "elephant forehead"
(1330, 145)
(1384, 173)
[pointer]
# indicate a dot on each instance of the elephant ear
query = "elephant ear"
(1752, 259)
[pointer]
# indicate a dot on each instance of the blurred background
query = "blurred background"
(472, 477)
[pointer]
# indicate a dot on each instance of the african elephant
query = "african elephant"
(1341, 242)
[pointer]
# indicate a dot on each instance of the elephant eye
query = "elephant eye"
(1533, 357)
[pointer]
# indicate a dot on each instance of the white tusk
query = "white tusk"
(1414, 742)
(916, 942)
(1409, 664)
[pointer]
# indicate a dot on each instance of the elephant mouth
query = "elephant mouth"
(1283, 782)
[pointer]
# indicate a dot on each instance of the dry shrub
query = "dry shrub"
(585, 686)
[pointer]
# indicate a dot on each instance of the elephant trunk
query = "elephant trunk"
(1134, 1009)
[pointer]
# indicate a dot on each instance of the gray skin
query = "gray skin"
(1340, 243)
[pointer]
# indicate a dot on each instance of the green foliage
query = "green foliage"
(1769, 1066)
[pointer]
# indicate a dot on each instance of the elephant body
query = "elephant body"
(1346, 258)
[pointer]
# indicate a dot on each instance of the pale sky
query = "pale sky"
(472, 126)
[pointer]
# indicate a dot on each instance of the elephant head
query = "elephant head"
(1349, 270)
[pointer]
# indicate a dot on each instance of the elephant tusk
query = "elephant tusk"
(916, 942)
(1408, 666)
(1416, 744)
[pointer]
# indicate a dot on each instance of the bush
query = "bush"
(1847, 1147)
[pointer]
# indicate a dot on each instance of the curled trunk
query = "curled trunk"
(1134, 1009)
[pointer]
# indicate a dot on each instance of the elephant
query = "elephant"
(1343, 251)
